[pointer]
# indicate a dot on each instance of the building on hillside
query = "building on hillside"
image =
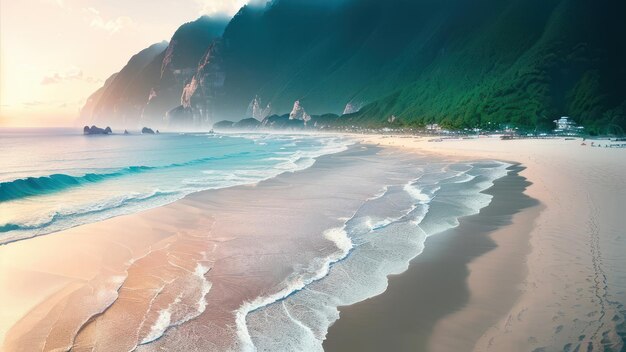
(565, 126)
(433, 128)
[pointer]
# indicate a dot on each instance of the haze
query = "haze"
(54, 53)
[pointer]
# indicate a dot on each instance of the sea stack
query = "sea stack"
(96, 130)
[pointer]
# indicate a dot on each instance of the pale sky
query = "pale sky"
(55, 53)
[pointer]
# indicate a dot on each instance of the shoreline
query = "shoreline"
(569, 251)
(131, 273)
(404, 317)
(573, 296)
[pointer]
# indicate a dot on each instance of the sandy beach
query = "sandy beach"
(187, 275)
(403, 318)
(572, 293)
(541, 267)
(312, 176)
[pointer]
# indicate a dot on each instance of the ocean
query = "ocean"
(54, 179)
(267, 266)
(381, 238)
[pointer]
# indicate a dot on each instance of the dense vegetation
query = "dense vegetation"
(571, 62)
(461, 63)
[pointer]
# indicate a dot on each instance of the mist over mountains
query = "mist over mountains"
(461, 63)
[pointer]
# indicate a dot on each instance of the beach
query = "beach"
(512, 245)
(572, 293)
(437, 280)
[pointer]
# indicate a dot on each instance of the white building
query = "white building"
(433, 127)
(567, 127)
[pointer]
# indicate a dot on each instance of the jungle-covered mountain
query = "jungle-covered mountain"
(460, 63)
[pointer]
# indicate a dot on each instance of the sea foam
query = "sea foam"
(294, 283)
(88, 192)
(299, 319)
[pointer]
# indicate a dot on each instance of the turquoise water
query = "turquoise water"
(53, 179)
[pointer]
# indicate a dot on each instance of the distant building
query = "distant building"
(433, 127)
(565, 126)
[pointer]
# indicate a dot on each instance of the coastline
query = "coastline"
(196, 266)
(404, 317)
(134, 258)
(573, 295)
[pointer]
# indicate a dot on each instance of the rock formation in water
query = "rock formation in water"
(96, 130)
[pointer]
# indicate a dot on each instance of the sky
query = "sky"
(55, 53)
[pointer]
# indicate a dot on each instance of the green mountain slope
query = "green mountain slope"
(525, 69)
(461, 63)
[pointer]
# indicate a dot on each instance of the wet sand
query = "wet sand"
(516, 277)
(186, 269)
(403, 317)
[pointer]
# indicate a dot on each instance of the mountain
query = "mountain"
(461, 63)
(525, 63)
(187, 47)
(150, 84)
(87, 114)
(117, 100)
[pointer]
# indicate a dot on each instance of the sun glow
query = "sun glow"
(55, 53)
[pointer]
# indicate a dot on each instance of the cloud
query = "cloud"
(220, 7)
(60, 3)
(94, 18)
(52, 104)
(112, 26)
(33, 103)
(71, 74)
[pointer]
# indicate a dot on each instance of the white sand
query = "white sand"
(576, 270)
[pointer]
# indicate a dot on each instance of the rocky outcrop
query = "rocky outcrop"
(201, 93)
(147, 130)
(96, 130)
(183, 59)
(298, 113)
(351, 108)
(223, 125)
(180, 116)
(255, 111)
(247, 124)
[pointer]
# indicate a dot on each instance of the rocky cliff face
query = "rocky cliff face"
(460, 63)
(121, 98)
(201, 92)
(151, 83)
(298, 113)
(257, 112)
(87, 115)
(187, 53)
(352, 108)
